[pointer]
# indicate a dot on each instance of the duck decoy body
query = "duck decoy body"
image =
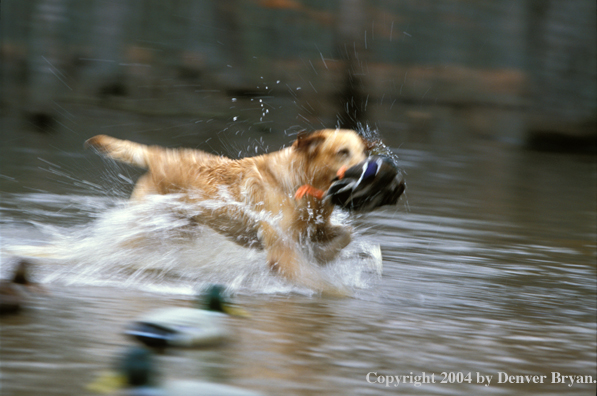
(366, 186)
(136, 374)
(185, 327)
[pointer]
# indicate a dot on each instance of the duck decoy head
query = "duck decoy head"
(137, 367)
(214, 299)
(21, 274)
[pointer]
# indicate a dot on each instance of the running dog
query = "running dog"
(268, 184)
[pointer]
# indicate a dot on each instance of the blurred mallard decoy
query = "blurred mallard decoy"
(182, 327)
(11, 291)
(136, 375)
(366, 186)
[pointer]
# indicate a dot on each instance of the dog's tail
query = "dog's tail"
(121, 150)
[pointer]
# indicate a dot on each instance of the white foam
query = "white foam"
(154, 246)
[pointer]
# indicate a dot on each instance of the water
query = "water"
(488, 267)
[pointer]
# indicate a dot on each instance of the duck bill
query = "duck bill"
(235, 311)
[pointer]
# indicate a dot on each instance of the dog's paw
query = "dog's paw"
(97, 142)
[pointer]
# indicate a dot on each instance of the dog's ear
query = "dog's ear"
(307, 142)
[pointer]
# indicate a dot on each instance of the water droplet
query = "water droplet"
(234, 99)
(278, 82)
(298, 88)
(234, 118)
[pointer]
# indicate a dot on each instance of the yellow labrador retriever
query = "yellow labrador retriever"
(254, 200)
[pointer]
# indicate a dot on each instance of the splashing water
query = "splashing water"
(155, 246)
(373, 134)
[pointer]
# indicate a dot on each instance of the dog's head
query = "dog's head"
(327, 151)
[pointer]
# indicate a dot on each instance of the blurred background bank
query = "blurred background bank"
(521, 72)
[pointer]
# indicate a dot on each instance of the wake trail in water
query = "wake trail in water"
(155, 246)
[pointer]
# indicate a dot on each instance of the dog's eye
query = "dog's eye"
(343, 152)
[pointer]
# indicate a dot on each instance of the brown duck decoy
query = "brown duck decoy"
(11, 290)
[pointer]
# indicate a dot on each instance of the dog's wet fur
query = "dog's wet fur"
(264, 184)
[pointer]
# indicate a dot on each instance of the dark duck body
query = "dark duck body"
(367, 186)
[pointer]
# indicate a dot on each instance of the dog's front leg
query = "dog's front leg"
(284, 257)
(333, 240)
